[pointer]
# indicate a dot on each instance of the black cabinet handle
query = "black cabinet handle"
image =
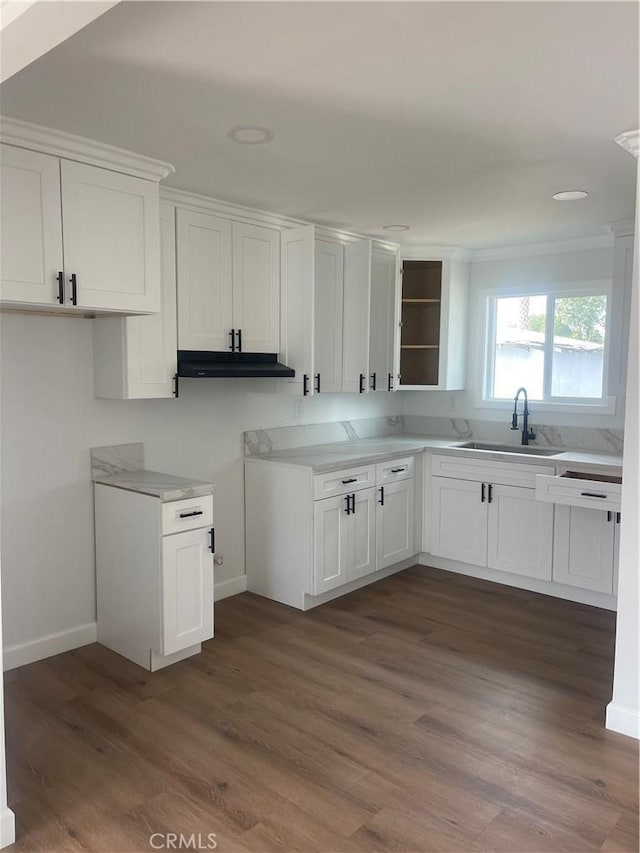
(390, 382)
(362, 383)
(176, 388)
(592, 495)
(305, 385)
(350, 480)
(191, 514)
(317, 383)
(381, 501)
(60, 296)
(490, 492)
(239, 340)
(373, 381)
(212, 544)
(617, 518)
(353, 504)
(348, 507)
(482, 493)
(74, 289)
(397, 470)
(609, 515)
(232, 335)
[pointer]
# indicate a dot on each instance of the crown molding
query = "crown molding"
(625, 228)
(630, 141)
(435, 253)
(578, 244)
(59, 143)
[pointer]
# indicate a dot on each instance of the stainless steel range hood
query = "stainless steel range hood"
(195, 363)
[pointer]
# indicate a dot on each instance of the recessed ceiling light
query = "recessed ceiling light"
(395, 227)
(249, 135)
(570, 195)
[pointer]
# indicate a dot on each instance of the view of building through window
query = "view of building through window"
(565, 332)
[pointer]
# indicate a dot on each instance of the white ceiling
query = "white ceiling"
(458, 119)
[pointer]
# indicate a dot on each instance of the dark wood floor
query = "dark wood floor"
(428, 712)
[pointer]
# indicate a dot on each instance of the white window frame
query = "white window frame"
(605, 405)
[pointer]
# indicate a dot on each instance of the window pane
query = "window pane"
(519, 346)
(578, 346)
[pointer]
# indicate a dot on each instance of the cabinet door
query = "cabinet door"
(205, 309)
(458, 520)
(361, 535)
(187, 590)
(31, 226)
(520, 532)
(383, 305)
(330, 543)
(583, 552)
(296, 307)
(256, 287)
(394, 523)
(355, 329)
(328, 308)
(152, 341)
(111, 238)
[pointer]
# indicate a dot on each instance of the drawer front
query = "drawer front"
(500, 473)
(397, 469)
(572, 491)
(187, 514)
(343, 482)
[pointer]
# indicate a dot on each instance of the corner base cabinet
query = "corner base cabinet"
(311, 537)
(154, 574)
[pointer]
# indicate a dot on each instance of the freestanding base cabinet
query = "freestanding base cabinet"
(154, 563)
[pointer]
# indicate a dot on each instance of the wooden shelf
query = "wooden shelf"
(433, 301)
(419, 346)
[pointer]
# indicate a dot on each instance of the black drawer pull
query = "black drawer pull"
(60, 296)
(212, 544)
(239, 340)
(592, 495)
(609, 515)
(305, 385)
(617, 518)
(373, 381)
(490, 492)
(397, 470)
(483, 490)
(381, 501)
(390, 383)
(74, 289)
(348, 506)
(362, 383)
(191, 514)
(317, 383)
(350, 480)
(232, 335)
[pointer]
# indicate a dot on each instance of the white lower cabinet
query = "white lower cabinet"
(520, 532)
(394, 523)
(458, 520)
(187, 590)
(585, 548)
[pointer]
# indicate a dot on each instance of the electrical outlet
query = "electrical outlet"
(218, 559)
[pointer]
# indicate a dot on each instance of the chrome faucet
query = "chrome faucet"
(527, 434)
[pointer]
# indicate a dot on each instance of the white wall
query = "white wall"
(50, 419)
(572, 266)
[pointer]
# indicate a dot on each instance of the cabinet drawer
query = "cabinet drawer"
(343, 482)
(576, 488)
(396, 469)
(187, 514)
(504, 473)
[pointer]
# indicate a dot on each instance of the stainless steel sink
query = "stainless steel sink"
(526, 449)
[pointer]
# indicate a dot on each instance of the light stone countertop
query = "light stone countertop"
(166, 487)
(323, 458)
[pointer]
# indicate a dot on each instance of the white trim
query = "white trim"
(607, 407)
(623, 720)
(556, 590)
(624, 228)
(265, 218)
(578, 244)
(20, 654)
(435, 253)
(7, 827)
(233, 586)
(59, 143)
(630, 141)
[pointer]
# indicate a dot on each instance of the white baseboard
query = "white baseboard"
(623, 720)
(233, 586)
(51, 644)
(557, 590)
(7, 827)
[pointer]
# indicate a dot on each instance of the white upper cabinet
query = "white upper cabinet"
(357, 289)
(135, 357)
(205, 298)
(256, 287)
(297, 306)
(384, 272)
(228, 284)
(111, 239)
(328, 309)
(31, 226)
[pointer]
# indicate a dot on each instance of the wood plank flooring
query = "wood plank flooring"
(429, 712)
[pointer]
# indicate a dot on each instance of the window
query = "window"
(555, 344)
